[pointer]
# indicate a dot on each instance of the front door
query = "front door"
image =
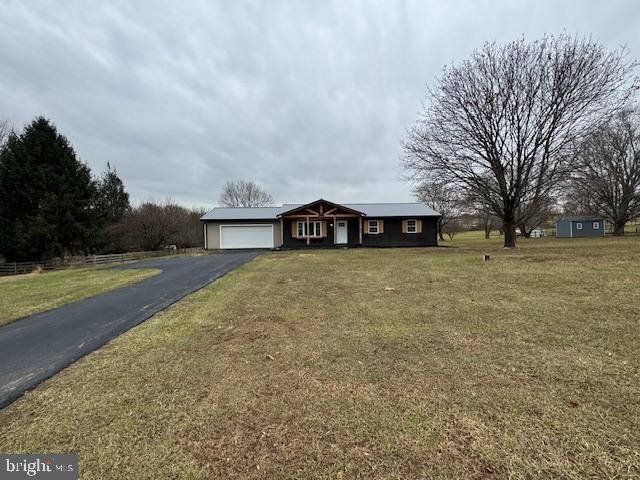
(342, 237)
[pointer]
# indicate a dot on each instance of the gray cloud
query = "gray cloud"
(309, 99)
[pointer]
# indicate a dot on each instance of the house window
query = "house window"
(596, 225)
(373, 226)
(412, 226)
(579, 226)
(315, 229)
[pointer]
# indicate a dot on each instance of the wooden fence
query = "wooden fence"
(17, 268)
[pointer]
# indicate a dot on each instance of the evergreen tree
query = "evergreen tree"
(47, 196)
(112, 204)
(113, 200)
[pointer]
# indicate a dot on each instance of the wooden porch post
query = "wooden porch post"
(335, 229)
(308, 238)
(281, 231)
(360, 230)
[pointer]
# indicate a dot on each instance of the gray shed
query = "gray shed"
(580, 226)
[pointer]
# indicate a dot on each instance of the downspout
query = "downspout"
(206, 240)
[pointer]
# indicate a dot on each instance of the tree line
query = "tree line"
(51, 205)
(518, 130)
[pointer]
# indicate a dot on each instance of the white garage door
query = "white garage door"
(246, 236)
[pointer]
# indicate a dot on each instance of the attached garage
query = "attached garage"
(246, 236)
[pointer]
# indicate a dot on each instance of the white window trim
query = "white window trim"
(377, 227)
(579, 226)
(312, 226)
(596, 225)
(415, 225)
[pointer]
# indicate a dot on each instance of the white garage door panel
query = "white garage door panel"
(246, 236)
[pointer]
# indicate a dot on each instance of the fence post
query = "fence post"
(15, 268)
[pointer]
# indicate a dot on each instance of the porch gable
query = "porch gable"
(318, 214)
(321, 208)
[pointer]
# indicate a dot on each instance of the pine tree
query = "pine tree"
(113, 200)
(47, 196)
(112, 204)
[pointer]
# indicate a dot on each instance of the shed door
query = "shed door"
(246, 236)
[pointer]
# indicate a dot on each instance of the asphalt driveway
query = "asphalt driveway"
(36, 347)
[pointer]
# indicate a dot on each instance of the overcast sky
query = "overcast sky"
(307, 98)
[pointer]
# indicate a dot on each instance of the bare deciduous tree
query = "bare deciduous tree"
(607, 180)
(484, 212)
(489, 221)
(153, 225)
(533, 215)
(501, 124)
(444, 199)
(244, 194)
(452, 228)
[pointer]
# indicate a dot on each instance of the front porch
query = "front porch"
(321, 224)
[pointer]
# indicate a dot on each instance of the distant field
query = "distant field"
(463, 238)
(366, 363)
(632, 228)
(24, 295)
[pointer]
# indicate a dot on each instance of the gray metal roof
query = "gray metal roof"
(583, 218)
(242, 213)
(393, 209)
(369, 209)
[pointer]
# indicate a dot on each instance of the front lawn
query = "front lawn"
(367, 363)
(23, 295)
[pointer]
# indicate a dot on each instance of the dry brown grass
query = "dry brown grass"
(417, 363)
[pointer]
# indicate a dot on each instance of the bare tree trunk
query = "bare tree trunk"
(618, 228)
(509, 228)
(509, 236)
(440, 230)
(487, 228)
(524, 232)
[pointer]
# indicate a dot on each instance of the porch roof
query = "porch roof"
(295, 208)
